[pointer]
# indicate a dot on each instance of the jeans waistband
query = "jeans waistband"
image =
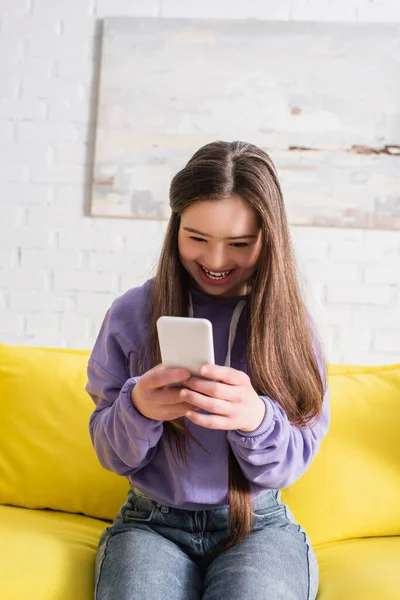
(264, 499)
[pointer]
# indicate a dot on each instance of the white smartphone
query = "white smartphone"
(186, 343)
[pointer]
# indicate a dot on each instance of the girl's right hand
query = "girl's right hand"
(154, 400)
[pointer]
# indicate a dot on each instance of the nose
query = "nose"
(216, 258)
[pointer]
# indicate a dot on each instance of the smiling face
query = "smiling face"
(219, 244)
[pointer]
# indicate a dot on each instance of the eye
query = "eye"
(197, 239)
(239, 245)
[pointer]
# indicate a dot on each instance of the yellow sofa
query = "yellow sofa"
(55, 498)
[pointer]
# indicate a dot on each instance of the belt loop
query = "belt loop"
(165, 509)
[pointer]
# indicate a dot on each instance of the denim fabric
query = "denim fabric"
(153, 552)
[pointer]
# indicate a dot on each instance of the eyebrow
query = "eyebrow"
(238, 237)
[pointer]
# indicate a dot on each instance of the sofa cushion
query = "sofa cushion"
(365, 569)
(46, 555)
(46, 456)
(352, 488)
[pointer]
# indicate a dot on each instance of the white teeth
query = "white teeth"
(213, 275)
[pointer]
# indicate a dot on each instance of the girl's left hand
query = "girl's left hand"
(230, 398)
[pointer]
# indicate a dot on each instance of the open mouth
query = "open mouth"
(216, 276)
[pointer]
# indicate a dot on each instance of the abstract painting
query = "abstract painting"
(323, 99)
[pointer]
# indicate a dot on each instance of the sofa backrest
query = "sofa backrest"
(352, 488)
(46, 456)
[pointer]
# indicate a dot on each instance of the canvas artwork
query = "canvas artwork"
(322, 99)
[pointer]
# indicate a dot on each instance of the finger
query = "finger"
(209, 421)
(177, 411)
(167, 395)
(214, 389)
(212, 405)
(225, 374)
(160, 376)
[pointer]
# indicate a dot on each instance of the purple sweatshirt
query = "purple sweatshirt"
(273, 456)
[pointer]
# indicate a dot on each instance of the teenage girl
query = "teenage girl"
(203, 518)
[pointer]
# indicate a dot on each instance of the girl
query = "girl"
(206, 461)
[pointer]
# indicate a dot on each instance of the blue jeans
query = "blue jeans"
(153, 552)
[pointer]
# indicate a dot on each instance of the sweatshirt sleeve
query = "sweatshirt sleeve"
(124, 440)
(278, 453)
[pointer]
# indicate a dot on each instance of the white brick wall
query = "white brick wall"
(60, 270)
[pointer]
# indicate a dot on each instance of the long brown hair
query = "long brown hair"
(281, 345)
